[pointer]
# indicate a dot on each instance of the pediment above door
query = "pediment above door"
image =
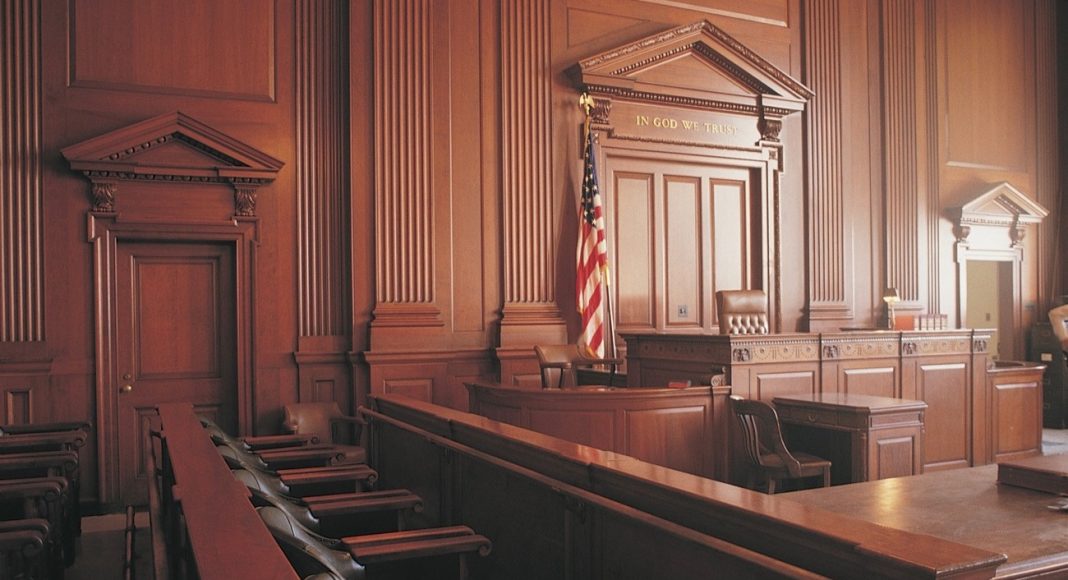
(697, 66)
(171, 148)
(1001, 207)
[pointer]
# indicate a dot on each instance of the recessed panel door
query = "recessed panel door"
(176, 343)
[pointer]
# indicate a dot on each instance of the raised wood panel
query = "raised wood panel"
(593, 428)
(125, 45)
(895, 457)
(633, 214)
(1016, 407)
(420, 389)
(730, 235)
(682, 248)
(878, 381)
(996, 35)
(166, 294)
(322, 166)
(770, 384)
(773, 12)
(18, 405)
(667, 436)
(21, 211)
(945, 388)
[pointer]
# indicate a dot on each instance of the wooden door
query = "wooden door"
(176, 341)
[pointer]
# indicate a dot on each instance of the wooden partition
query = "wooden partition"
(945, 369)
(486, 478)
(213, 532)
(675, 428)
(1015, 391)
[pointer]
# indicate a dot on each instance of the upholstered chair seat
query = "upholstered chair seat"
(331, 425)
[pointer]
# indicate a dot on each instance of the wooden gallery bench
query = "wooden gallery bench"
(561, 510)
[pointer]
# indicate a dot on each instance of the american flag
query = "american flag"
(591, 257)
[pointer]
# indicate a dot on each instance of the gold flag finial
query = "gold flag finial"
(586, 102)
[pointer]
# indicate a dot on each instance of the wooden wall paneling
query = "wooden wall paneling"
(1047, 166)
(932, 163)
(433, 376)
(361, 160)
(321, 74)
(21, 210)
(903, 120)
(151, 46)
(24, 389)
(830, 299)
(946, 388)
(633, 211)
(684, 239)
(531, 210)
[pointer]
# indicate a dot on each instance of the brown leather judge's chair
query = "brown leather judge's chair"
(742, 311)
(769, 459)
(331, 425)
(560, 362)
(1058, 319)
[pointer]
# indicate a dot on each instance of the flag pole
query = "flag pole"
(586, 102)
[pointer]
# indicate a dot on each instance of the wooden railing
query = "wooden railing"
(487, 466)
(203, 524)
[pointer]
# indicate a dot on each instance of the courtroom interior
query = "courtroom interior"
(569, 289)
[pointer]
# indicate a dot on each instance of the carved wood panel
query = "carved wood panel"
(946, 388)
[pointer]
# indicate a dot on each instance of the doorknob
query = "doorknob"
(126, 388)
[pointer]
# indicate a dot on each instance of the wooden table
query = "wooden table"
(865, 437)
(967, 506)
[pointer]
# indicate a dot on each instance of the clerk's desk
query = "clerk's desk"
(967, 506)
(865, 437)
(945, 369)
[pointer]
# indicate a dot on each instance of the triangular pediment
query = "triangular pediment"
(698, 64)
(173, 145)
(1002, 205)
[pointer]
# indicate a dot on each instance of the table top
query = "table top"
(846, 401)
(962, 505)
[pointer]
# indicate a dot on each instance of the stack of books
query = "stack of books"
(921, 322)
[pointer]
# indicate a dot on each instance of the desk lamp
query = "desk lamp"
(891, 298)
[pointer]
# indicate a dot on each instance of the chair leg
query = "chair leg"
(827, 477)
(771, 486)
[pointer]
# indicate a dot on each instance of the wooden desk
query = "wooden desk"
(965, 506)
(865, 437)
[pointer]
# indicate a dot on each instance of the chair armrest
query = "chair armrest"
(361, 503)
(25, 542)
(265, 442)
(602, 361)
(51, 441)
(556, 365)
(41, 461)
(378, 548)
(38, 524)
(32, 487)
(46, 427)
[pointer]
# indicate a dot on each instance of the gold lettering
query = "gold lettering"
(642, 120)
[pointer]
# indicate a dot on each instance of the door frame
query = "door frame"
(105, 232)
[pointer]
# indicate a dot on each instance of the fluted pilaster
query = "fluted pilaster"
(527, 160)
(403, 164)
(904, 188)
(827, 284)
(322, 165)
(21, 241)
(1047, 168)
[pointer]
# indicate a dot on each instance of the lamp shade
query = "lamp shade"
(890, 296)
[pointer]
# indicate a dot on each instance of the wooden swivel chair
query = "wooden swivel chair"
(765, 449)
(742, 311)
(332, 426)
(562, 362)
(1058, 319)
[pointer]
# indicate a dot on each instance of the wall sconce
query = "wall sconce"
(891, 298)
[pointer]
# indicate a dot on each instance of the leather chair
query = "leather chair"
(331, 425)
(766, 451)
(1058, 319)
(563, 362)
(742, 311)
